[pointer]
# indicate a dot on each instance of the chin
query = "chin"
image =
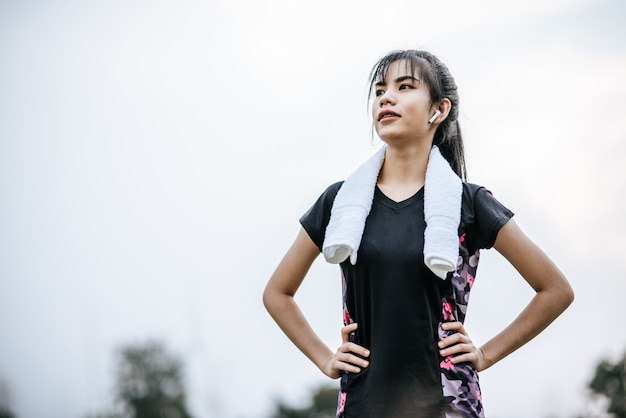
(393, 138)
(403, 141)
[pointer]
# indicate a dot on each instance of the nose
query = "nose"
(386, 98)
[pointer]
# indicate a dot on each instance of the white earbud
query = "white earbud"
(437, 113)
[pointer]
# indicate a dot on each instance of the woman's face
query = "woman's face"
(401, 106)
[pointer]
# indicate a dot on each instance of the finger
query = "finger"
(350, 347)
(453, 339)
(457, 349)
(352, 359)
(347, 367)
(465, 358)
(345, 331)
(454, 326)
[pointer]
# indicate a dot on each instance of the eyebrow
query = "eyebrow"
(399, 80)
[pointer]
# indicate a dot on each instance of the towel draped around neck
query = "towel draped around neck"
(443, 192)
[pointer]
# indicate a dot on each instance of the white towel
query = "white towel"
(443, 193)
(442, 211)
(350, 209)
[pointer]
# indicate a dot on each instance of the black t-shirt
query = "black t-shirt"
(399, 305)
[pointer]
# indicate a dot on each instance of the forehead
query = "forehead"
(398, 68)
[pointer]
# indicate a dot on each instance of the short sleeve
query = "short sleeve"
(483, 215)
(316, 219)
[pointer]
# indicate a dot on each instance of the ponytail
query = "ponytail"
(451, 146)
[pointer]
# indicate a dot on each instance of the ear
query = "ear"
(444, 107)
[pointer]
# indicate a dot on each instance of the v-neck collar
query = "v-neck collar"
(387, 201)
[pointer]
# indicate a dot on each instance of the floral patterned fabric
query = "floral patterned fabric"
(400, 305)
(460, 381)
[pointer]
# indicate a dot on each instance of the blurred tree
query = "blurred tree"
(609, 381)
(323, 404)
(150, 382)
(106, 415)
(5, 400)
(5, 413)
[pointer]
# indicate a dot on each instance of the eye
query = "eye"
(406, 86)
(379, 92)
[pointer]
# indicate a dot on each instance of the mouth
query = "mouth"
(386, 114)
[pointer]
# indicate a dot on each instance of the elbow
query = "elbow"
(272, 298)
(559, 294)
(568, 295)
(565, 296)
(268, 298)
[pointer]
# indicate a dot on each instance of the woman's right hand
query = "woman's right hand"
(346, 358)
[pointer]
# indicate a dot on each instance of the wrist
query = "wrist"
(485, 362)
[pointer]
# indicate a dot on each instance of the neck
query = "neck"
(404, 170)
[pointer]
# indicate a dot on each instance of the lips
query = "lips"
(385, 114)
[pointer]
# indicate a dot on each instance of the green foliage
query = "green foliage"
(5, 398)
(323, 405)
(609, 381)
(149, 382)
(106, 415)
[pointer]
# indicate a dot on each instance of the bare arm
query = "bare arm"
(554, 295)
(278, 298)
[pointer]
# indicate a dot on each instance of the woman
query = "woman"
(405, 352)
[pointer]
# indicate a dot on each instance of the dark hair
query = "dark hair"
(440, 85)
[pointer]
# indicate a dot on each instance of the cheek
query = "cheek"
(375, 109)
(374, 114)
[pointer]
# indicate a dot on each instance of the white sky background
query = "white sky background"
(155, 157)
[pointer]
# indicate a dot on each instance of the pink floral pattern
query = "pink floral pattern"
(342, 403)
(460, 381)
(447, 311)
(447, 363)
(347, 319)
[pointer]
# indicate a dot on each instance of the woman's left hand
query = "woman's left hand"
(460, 346)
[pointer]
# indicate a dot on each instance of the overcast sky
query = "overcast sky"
(155, 157)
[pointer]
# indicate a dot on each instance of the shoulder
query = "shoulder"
(331, 192)
(470, 190)
(470, 193)
(482, 214)
(325, 201)
(315, 220)
(475, 194)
